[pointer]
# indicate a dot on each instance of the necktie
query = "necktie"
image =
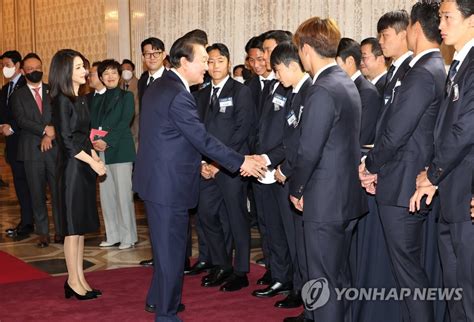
(9, 90)
(389, 75)
(126, 86)
(451, 74)
(213, 97)
(150, 80)
(38, 100)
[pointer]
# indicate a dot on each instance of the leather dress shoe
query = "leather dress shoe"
(187, 265)
(217, 277)
(20, 230)
(151, 308)
(198, 268)
(43, 241)
(299, 318)
(266, 279)
(235, 283)
(147, 262)
(274, 289)
(292, 301)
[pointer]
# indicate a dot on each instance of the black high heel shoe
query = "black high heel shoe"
(69, 292)
(96, 292)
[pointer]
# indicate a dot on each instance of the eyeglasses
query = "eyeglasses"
(154, 54)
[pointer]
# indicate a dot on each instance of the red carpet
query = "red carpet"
(124, 297)
(14, 270)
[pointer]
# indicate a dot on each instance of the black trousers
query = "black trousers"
(456, 247)
(223, 215)
(404, 237)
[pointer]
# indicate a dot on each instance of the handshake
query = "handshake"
(253, 165)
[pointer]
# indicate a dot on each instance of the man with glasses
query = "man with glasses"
(153, 53)
(372, 64)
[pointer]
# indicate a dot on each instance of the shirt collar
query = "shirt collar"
(15, 79)
(423, 53)
(271, 76)
(157, 74)
(221, 83)
(376, 78)
(401, 59)
(33, 88)
(100, 92)
(322, 70)
(461, 55)
(185, 82)
(297, 88)
(355, 75)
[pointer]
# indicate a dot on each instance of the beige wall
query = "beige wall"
(45, 26)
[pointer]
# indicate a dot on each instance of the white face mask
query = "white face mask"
(8, 72)
(240, 79)
(127, 75)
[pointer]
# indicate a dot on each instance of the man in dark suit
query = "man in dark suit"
(271, 197)
(349, 59)
(324, 184)
(9, 128)
(36, 148)
(290, 73)
(450, 172)
(391, 28)
(227, 110)
(153, 52)
(403, 147)
(167, 168)
(373, 65)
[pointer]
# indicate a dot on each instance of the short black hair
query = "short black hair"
(29, 56)
(109, 64)
(254, 42)
(183, 47)
(466, 7)
(375, 46)
(349, 48)
(237, 67)
(14, 55)
(60, 73)
(427, 15)
(285, 53)
(96, 64)
(199, 34)
(278, 35)
(154, 42)
(129, 62)
(223, 50)
(397, 19)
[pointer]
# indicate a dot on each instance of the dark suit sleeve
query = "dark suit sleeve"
(3, 107)
(244, 119)
(406, 112)
(23, 121)
(371, 103)
(316, 125)
(183, 114)
(127, 109)
(63, 112)
(458, 142)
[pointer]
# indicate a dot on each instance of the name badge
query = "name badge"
(224, 103)
(300, 113)
(397, 84)
(291, 119)
(455, 92)
(278, 102)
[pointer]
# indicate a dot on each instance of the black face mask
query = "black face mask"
(35, 76)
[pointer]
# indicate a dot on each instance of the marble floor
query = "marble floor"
(51, 259)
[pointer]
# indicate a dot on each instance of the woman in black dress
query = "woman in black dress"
(77, 167)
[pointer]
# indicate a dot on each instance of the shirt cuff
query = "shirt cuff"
(267, 159)
(279, 170)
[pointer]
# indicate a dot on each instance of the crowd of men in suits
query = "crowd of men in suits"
(341, 139)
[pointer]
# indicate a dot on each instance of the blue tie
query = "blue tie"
(451, 74)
